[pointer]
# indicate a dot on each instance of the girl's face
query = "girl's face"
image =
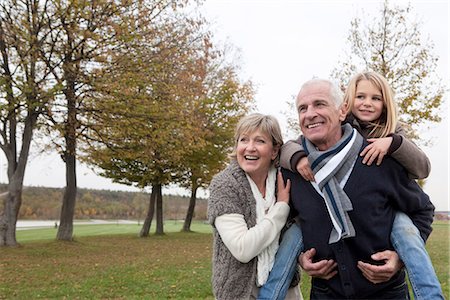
(369, 102)
(255, 152)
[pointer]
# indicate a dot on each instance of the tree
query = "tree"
(80, 32)
(141, 109)
(83, 34)
(393, 46)
(26, 86)
(224, 102)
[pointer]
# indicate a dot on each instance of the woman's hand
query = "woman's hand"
(304, 169)
(376, 150)
(283, 190)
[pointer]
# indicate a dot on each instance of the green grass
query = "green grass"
(439, 249)
(111, 262)
(25, 236)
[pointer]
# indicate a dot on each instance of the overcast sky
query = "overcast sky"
(282, 44)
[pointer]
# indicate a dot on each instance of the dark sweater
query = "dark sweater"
(376, 193)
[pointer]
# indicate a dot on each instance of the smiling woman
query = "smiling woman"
(245, 213)
(258, 142)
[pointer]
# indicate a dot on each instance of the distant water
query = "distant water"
(33, 224)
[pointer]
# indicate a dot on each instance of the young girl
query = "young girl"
(372, 111)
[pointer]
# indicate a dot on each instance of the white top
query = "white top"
(246, 243)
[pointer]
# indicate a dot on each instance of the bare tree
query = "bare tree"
(393, 45)
(26, 86)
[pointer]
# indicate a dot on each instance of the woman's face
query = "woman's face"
(255, 153)
(368, 104)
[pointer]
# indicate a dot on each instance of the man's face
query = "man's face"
(320, 119)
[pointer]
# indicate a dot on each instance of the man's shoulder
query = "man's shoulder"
(296, 179)
(387, 167)
(289, 174)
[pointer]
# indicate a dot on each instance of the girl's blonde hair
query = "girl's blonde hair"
(387, 122)
(265, 123)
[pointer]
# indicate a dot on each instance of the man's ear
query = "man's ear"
(343, 111)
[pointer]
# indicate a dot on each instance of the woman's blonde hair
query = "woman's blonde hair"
(265, 123)
(387, 122)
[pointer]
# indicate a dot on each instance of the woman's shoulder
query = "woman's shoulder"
(227, 190)
(231, 174)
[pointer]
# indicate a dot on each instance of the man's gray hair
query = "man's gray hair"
(335, 91)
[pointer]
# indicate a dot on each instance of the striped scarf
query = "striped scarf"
(331, 170)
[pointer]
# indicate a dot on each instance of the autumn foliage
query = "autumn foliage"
(42, 203)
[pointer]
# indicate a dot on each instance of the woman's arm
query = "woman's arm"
(246, 243)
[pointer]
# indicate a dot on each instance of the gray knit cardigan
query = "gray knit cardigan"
(230, 193)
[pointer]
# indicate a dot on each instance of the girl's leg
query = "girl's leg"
(411, 248)
(283, 269)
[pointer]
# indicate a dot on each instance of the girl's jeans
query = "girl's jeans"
(405, 238)
(410, 246)
(283, 269)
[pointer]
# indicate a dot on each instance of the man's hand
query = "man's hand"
(376, 150)
(378, 274)
(324, 269)
(282, 189)
(304, 169)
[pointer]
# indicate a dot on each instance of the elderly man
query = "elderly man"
(346, 215)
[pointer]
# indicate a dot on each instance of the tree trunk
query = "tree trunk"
(151, 211)
(65, 229)
(191, 209)
(25, 113)
(16, 172)
(8, 219)
(159, 212)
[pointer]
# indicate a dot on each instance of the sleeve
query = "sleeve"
(223, 198)
(291, 152)
(246, 243)
(412, 200)
(411, 157)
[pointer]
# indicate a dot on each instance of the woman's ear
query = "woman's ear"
(275, 151)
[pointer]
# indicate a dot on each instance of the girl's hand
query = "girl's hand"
(282, 189)
(376, 150)
(304, 169)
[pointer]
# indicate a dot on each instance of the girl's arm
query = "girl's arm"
(411, 157)
(291, 152)
(294, 159)
(408, 154)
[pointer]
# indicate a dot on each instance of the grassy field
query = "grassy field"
(111, 262)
